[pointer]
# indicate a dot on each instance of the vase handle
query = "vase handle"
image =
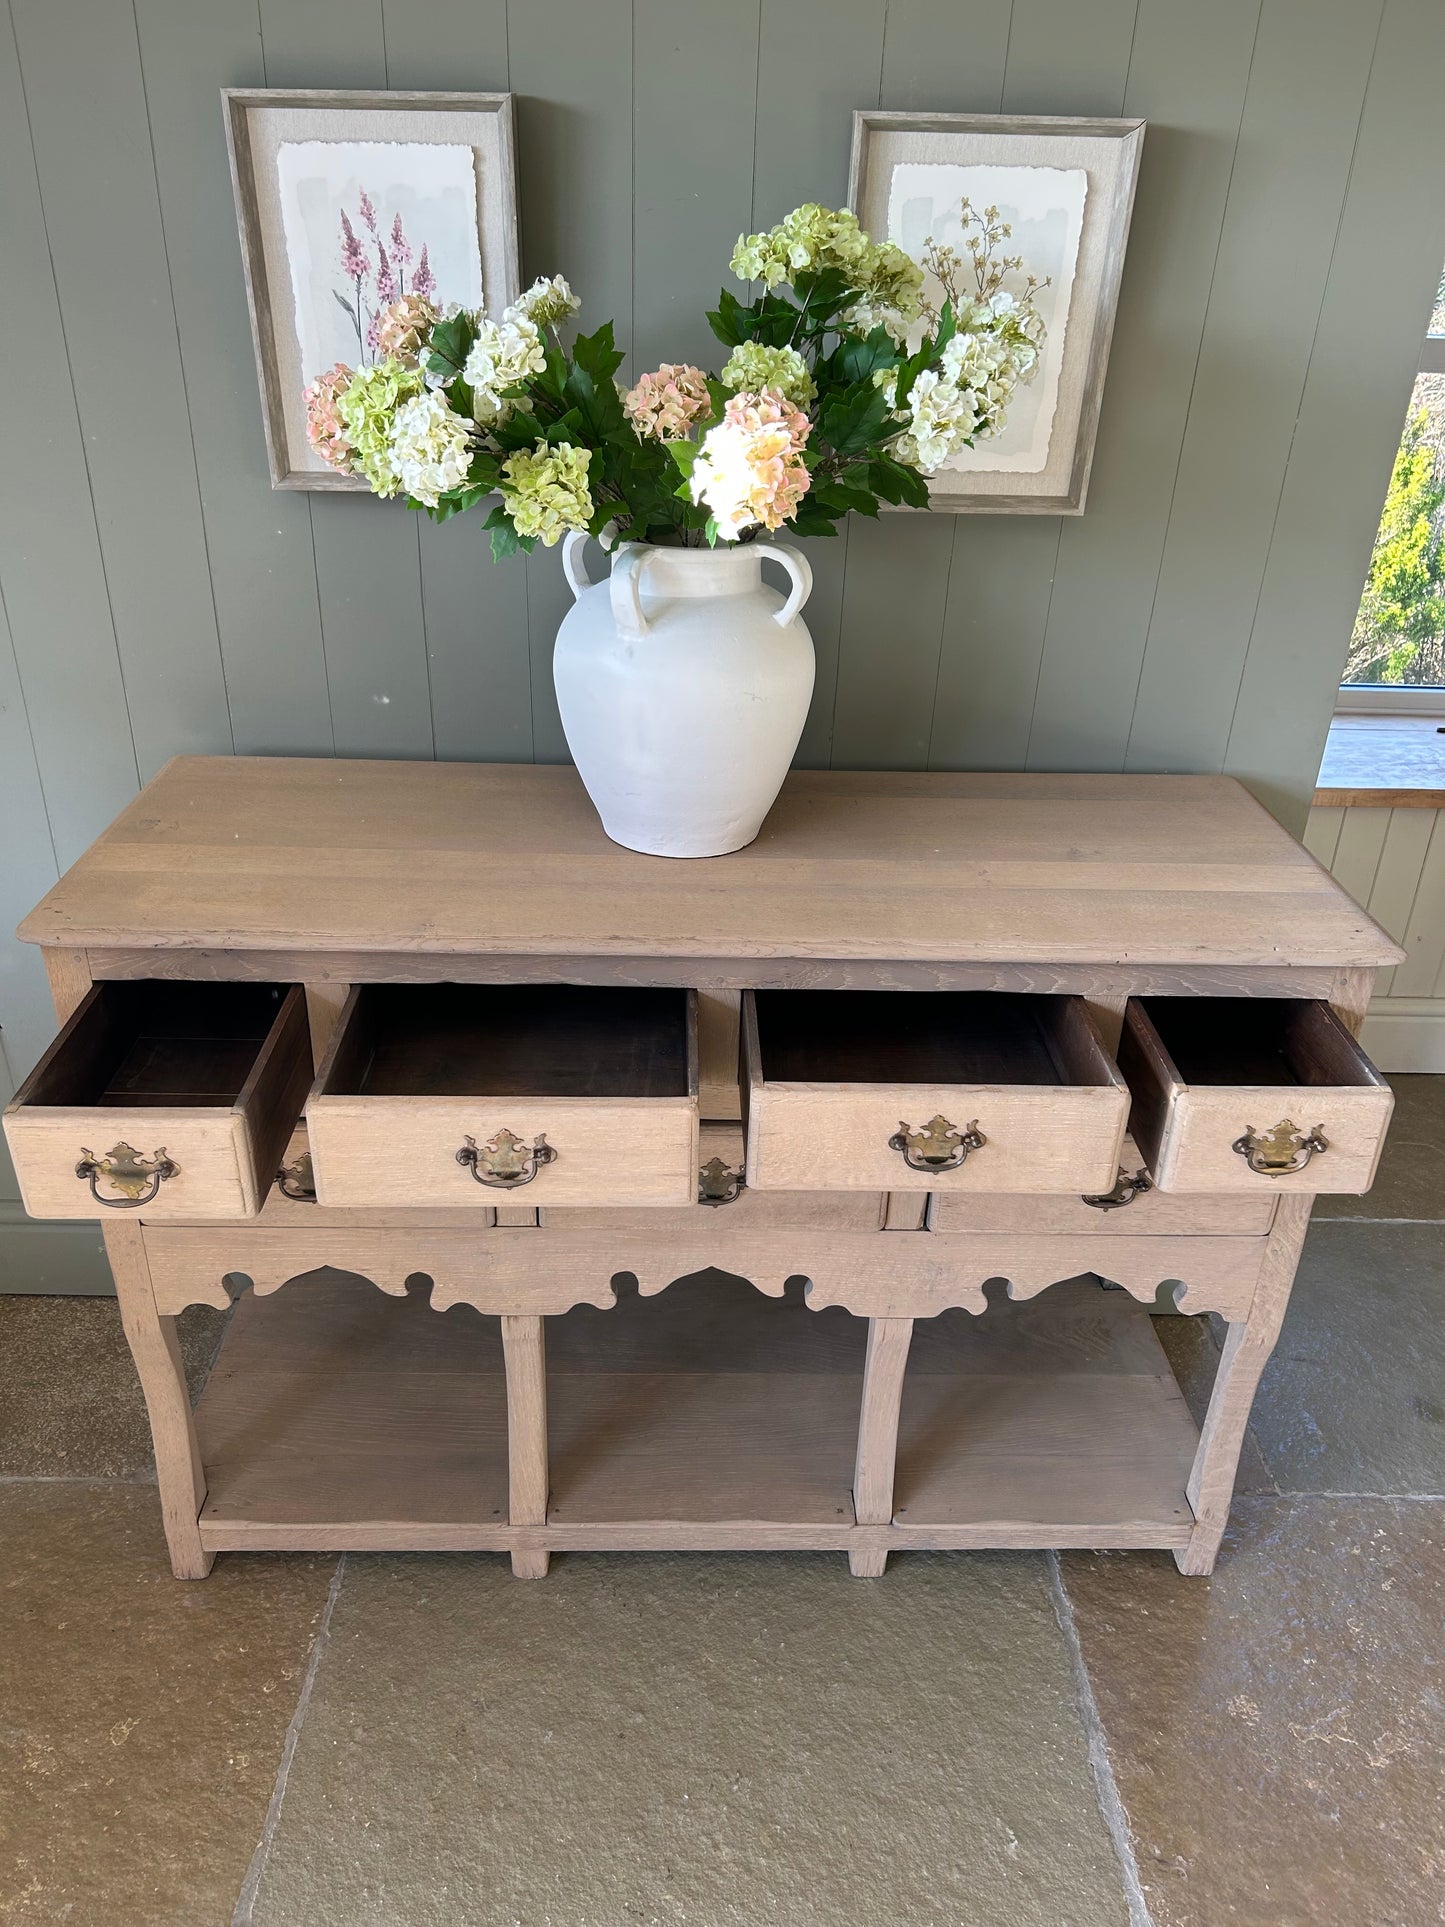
(574, 562)
(801, 572)
(627, 567)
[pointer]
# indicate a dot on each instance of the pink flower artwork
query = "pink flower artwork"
(372, 267)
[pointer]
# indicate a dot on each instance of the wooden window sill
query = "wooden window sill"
(1383, 762)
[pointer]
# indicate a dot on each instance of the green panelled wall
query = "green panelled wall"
(156, 596)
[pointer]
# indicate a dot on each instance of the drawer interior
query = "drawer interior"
(1257, 1040)
(921, 1037)
(531, 1040)
(160, 1044)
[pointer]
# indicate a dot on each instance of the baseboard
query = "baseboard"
(64, 1258)
(1406, 1033)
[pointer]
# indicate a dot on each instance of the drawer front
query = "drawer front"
(375, 1152)
(164, 1162)
(1020, 1137)
(1322, 1131)
(594, 1099)
(745, 1208)
(1147, 1213)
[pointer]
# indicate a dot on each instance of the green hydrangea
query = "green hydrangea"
(813, 238)
(753, 367)
(367, 408)
(545, 492)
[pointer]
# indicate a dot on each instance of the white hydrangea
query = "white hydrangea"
(545, 303)
(429, 448)
(942, 417)
(502, 356)
(864, 316)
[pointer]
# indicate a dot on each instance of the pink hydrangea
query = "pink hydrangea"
(665, 404)
(403, 328)
(323, 424)
(750, 469)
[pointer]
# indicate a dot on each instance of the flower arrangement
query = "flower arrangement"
(844, 387)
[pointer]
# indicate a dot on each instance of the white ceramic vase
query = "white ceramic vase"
(684, 683)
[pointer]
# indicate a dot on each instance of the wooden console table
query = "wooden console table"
(950, 997)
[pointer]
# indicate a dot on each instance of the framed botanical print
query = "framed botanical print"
(1059, 193)
(347, 202)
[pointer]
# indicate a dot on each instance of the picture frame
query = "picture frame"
(1070, 208)
(318, 199)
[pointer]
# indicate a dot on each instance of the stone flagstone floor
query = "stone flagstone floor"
(1006, 1740)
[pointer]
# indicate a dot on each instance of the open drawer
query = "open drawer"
(928, 1091)
(456, 1094)
(173, 1099)
(1251, 1094)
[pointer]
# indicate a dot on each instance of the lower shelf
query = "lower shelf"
(708, 1418)
(336, 1418)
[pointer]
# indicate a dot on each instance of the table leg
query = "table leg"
(1246, 1353)
(524, 1350)
(887, 1358)
(157, 1354)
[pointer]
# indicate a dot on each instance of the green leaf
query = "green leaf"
(684, 454)
(451, 342)
(858, 357)
(348, 307)
(598, 353)
(852, 420)
(730, 321)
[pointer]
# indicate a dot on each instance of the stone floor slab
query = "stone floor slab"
(72, 1406)
(1411, 1179)
(1275, 1730)
(1354, 1398)
(141, 1718)
(725, 1741)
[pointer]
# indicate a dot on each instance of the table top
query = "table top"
(278, 853)
(1383, 762)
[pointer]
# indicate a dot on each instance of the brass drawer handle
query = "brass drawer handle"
(938, 1145)
(1284, 1149)
(719, 1183)
(505, 1161)
(137, 1179)
(295, 1180)
(1125, 1190)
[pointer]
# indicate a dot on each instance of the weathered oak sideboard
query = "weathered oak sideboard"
(766, 1201)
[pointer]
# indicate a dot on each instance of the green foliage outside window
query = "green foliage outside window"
(1399, 634)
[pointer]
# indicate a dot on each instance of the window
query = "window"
(1396, 659)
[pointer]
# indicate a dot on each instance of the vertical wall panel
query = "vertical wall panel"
(1357, 854)
(693, 173)
(27, 873)
(886, 698)
(368, 564)
(804, 137)
(1306, 88)
(475, 611)
(1424, 938)
(572, 73)
(1392, 239)
(1392, 897)
(258, 539)
(51, 570)
(1073, 61)
(917, 72)
(1187, 74)
(102, 218)
(888, 653)
(1322, 834)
